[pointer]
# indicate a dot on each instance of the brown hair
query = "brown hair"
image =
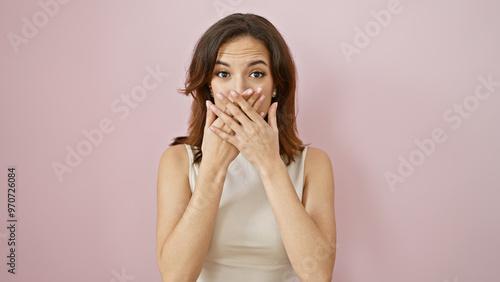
(282, 70)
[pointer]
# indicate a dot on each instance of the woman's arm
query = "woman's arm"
(307, 230)
(185, 222)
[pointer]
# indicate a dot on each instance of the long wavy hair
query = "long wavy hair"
(282, 70)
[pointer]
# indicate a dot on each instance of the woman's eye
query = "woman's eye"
(222, 74)
(257, 74)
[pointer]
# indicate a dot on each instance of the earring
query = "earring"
(274, 93)
(211, 92)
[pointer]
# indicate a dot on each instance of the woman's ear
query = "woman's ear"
(211, 92)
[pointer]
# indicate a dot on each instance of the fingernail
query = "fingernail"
(259, 90)
(261, 98)
(249, 91)
(213, 108)
(219, 96)
(234, 93)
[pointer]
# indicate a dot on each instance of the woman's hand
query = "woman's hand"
(217, 150)
(257, 140)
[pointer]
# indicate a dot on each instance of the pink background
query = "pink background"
(365, 110)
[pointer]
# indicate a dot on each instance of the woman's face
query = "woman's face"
(242, 63)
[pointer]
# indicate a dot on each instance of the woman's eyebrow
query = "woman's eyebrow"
(249, 65)
(257, 62)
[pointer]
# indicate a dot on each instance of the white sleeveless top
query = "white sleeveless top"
(246, 244)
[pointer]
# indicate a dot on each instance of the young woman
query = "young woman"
(241, 198)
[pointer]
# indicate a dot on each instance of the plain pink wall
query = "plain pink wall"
(372, 84)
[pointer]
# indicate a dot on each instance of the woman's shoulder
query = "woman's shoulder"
(315, 154)
(176, 157)
(316, 160)
(176, 151)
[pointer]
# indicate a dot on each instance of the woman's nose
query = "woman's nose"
(240, 85)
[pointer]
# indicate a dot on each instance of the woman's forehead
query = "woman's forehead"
(243, 48)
